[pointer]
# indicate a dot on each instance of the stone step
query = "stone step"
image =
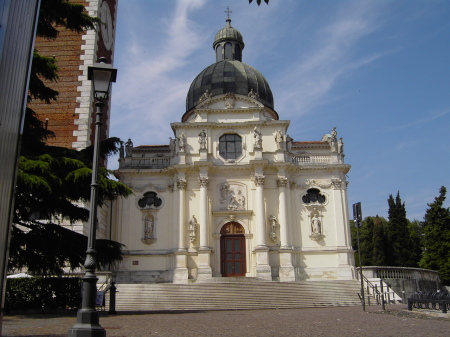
(235, 295)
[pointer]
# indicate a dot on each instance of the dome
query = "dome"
(228, 33)
(229, 76)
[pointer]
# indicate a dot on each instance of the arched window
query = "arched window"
(219, 53)
(230, 146)
(228, 51)
(313, 196)
(238, 53)
(150, 199)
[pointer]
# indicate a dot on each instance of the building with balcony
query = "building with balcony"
(232, 194)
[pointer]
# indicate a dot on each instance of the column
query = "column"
(181, 271)
(286, 272)
(204, 270)
(345, 258)
(203, 211)
(263, 269)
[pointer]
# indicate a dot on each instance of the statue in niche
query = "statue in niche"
(253, 94)
(316, 225)
(128, 147)
(205, 96)
(202, 139)
(340, 145)
(273, 227)
(279, 140)
(333, 140)
(149, 225)
(258, 138)
(181, 141)
(192, 227)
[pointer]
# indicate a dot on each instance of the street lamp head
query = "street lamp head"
(102, 75)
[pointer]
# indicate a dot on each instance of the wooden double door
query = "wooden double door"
(232, 250)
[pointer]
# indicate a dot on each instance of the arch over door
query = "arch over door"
(232, 250)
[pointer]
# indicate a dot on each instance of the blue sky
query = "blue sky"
(377, 70)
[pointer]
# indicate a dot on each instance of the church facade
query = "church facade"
(232, 194)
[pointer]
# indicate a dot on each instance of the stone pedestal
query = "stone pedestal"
(286, 271)
(279, 156)
(258, 154)
(180, 273)
(203, 154)
(263, 270)
(335, 157)
(204, 270)
(182, 158)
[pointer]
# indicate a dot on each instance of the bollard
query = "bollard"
(112, 299)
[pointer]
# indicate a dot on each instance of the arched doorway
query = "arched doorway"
(232, 250)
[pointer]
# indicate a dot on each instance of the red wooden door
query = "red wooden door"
(232, 250)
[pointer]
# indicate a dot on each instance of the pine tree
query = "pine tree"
(53, 181)
(436, 230)
(379, 242)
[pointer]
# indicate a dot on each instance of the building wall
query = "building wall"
(17, 30)
(327, 256)
(72, 118)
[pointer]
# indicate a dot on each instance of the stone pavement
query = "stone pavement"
(337, 321)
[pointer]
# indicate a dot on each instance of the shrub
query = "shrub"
(42, 294)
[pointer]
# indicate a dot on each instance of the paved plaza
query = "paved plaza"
(336, 321)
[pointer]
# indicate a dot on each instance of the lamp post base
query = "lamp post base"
(87, 325)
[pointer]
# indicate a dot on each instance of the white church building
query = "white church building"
(233, 195)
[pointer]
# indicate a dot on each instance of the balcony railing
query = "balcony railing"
(311, 159)
(150, 163)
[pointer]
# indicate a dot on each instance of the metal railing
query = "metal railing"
(380, 295)
(430, 301)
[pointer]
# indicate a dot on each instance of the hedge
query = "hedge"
(42, 294)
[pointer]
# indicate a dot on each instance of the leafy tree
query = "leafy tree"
(400, 247)
(53, 182)
(436, 230)
(365, 237)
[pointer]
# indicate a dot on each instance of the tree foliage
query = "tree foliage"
(436, 230)
(400, 250)
(53, 182)
(258, 2)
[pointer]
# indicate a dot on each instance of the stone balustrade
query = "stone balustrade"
(146, 163)
(311, 159)
(403, 273)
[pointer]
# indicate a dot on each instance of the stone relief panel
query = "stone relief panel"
(232, 197)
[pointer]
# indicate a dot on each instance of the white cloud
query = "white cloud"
(151, 90)
(316, 74)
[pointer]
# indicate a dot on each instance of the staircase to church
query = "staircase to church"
(235, 295)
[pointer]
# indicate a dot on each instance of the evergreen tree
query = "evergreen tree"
(52, 181)
(379, 242)
(399, 243)
(436, 230)
(365, 236)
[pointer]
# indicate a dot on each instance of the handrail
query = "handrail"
(379, 295)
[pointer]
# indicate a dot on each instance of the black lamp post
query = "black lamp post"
(87, 325)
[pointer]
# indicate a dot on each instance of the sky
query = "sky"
(376, 70)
